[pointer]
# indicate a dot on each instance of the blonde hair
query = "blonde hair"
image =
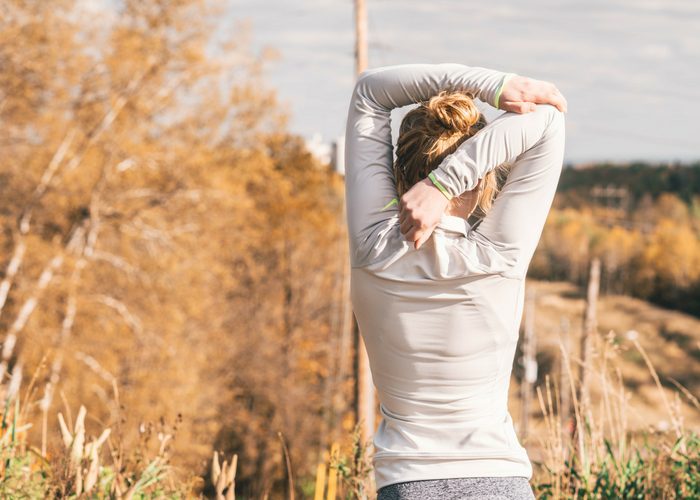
(432, 131)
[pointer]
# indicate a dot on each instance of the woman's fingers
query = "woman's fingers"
(412, 234)
(520, 90)
(403, 215)
(422, 237)
(416, 234)
(518, 107)
(420, 209)
(559, 101)
(550, 94)
(410, 228)
(556, 100)
(406, 225)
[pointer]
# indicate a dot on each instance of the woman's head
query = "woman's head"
(432, 131)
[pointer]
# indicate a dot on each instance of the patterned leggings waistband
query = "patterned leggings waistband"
(462, 488)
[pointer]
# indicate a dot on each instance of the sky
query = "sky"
(630, 69)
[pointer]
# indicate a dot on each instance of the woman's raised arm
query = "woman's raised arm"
(369, 181)
(534, 142)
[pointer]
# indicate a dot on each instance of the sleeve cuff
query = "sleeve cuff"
(394, 201)
(506, 78)
(438, 185)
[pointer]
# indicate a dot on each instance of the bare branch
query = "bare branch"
(27, 310)
(95, 366)
(119, 263)
(133, 321)
(11, 271)
(41, 188)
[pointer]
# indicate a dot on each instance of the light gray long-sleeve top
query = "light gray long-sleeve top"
(441, 323)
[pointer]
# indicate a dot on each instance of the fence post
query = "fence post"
(564, 382)
(590, 326)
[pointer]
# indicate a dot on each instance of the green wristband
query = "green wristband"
(500, 89)
(442, 189)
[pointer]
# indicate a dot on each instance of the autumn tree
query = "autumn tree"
(163, 234)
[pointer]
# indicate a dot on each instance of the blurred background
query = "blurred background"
(174, 275)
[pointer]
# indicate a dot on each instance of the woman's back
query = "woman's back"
(441, 353)
(441, 323)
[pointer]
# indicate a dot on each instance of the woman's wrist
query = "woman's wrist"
(505, 80)
(438, 185)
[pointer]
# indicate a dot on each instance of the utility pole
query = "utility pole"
(364, 386)
(360, 36)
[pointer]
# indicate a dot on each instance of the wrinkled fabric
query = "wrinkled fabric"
(441, 323)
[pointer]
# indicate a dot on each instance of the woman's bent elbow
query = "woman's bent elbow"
(555, 129)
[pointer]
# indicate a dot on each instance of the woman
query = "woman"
(439, 301)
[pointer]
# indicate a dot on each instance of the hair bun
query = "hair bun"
(431, 131)
(453, 112)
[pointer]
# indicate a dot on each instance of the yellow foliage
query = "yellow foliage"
(673, 252)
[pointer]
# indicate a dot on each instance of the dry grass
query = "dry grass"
(84, 466)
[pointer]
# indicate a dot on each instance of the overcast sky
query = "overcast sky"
(630, 69)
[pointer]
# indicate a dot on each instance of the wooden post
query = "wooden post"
(360, 36)
(365, 399)
(529, 362)
(590, 326)
(564, 383)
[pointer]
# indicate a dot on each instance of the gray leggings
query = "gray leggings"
(462, 488)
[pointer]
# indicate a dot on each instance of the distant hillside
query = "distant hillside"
(637, 179)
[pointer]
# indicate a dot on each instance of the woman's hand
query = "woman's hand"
(420, 210)
(520, 94)
(422, 206)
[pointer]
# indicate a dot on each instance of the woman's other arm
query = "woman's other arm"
(369, 181)
(519, 212)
